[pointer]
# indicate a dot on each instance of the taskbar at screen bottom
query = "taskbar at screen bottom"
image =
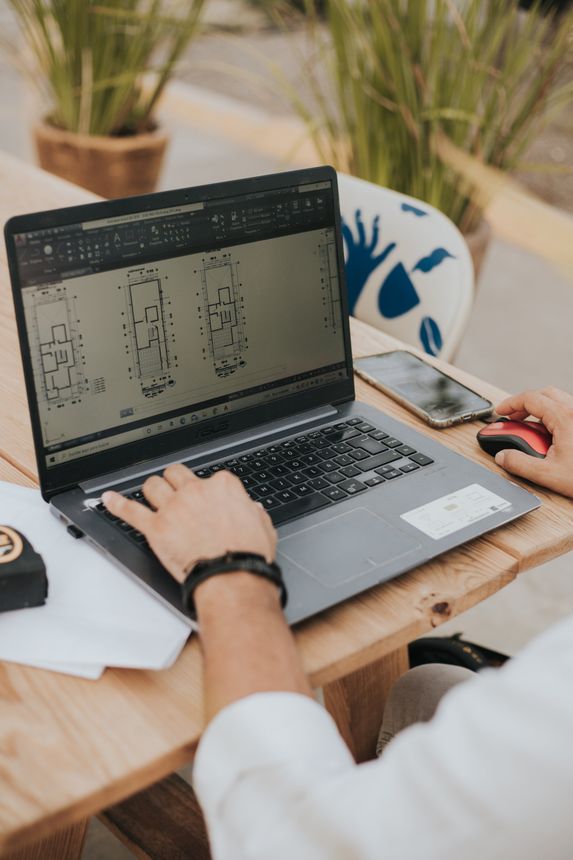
(98, 446)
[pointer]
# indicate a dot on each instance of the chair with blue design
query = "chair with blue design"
(408, 267)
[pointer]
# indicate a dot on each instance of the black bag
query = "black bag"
(454, 651)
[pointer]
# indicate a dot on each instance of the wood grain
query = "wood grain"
(70, 747)
(162, 823)
(357, 701)
(63, 845)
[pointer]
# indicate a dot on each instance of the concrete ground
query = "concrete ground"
(519, 334)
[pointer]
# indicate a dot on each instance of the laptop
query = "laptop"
(209, 326)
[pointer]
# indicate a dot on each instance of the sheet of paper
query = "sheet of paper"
(79, 670)
(95, 614)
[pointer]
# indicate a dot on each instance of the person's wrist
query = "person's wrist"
(236, 590)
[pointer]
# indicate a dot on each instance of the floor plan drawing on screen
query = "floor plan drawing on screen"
(329, 282)
(223, 315)
(148, 329)
(58, 350)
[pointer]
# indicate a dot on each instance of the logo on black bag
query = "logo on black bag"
(10, 545)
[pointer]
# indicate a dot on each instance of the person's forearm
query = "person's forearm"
(247, 644)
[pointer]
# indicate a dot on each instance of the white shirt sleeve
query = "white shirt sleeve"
(490, 777)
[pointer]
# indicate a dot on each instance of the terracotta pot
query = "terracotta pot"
(478, 242)
(109, 166)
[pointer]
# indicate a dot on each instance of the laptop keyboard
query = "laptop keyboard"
(310, 472)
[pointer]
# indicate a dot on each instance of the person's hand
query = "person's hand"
(554, 408)
(196, 518)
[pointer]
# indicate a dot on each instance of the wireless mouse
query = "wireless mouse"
(531, 437)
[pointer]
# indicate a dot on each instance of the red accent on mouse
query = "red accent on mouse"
(531, 437)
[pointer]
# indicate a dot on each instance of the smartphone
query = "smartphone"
(431, 394)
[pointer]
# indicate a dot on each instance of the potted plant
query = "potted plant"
(101, 67)
(387, 78)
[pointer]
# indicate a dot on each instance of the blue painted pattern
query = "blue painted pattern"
(397, 294)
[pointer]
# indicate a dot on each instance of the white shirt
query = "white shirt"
(491, 776)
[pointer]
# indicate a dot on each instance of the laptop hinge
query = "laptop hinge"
(210, 450)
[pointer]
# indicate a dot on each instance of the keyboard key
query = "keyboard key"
(285, 496)
(372, 482)
(274, 460)
(341, 447)
(218, 467)
(350, 471)
(357, 440)
(311, 460)
(108, 515)
(405, 450)
(279, 471)
(359, 454)
(269, 502)
(313, 472)
(409, 467)
(353, 486)
(138, 537)
(378, 434)
(280, 484)
(371, 446)
(335, 493)
(327, 454)
(298, 478)
(302, 506)
(264, 489)
(365, 428)
(334, 478)
(240, 470)
(328, 466)
(259, 463)
(138, 495)
(297, 465)
(203, 473)
(344, 460)
(125, 527)
(421, 459)
(391, 442)
(391, 473)
(320, 446)
(262, 477)
(247, 481)
(379, 460)
(303, 489)
(352, 421)
(319, 484)
(305, 449)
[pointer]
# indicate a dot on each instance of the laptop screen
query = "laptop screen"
(145, 323)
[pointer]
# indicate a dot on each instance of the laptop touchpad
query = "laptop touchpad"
(346, 547)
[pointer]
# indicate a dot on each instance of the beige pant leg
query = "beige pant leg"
(415, 696)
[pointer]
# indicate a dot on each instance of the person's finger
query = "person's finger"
(157, 491)
(531, 403)
(562, 397)
(522, 465)
(131, 511)
(177, 475)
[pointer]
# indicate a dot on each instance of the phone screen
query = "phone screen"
(420, 384)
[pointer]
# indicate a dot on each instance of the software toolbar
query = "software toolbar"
(70, 251)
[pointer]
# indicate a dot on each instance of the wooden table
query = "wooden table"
(70, 747)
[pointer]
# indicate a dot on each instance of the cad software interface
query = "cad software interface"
(141, 324)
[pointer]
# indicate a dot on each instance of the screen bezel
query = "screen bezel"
(435, 418)
(68, 475)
